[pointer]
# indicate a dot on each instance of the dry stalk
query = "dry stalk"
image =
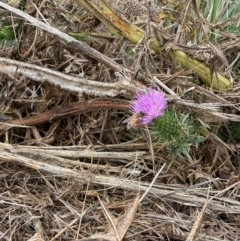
(184, 198)
(67, 82)
(81, 154)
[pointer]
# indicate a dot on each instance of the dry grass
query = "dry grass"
(69, 168)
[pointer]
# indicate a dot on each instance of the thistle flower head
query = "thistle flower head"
(149, 105)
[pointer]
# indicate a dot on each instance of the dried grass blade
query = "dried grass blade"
(111, 221)
(125, 221)
(197, 224)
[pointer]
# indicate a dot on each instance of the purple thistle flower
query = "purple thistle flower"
(149, 105)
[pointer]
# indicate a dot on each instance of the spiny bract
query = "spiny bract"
(178, 133)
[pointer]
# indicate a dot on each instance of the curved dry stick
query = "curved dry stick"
(67, 110)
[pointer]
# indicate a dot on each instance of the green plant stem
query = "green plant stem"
(215, 80)
(133, 33)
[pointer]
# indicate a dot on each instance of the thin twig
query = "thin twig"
(151, 184)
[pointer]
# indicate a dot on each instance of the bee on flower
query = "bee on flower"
(146, 106)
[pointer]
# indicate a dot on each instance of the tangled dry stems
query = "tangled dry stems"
(69, 168)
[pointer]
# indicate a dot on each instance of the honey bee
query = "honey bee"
(134, 121)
